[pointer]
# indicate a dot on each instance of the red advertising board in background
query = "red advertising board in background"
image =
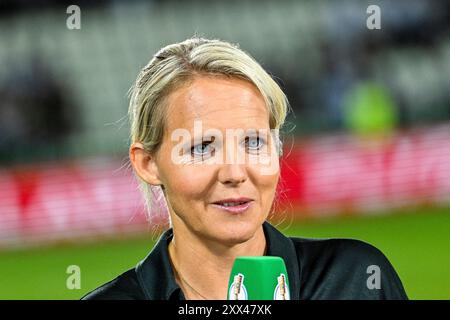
(331, 175)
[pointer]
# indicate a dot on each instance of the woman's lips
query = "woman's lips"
(235, 209)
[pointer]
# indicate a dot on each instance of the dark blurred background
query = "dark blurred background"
(63, 91)
(370, 94)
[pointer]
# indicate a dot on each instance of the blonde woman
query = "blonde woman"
(205, 118)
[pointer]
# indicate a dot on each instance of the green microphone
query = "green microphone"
(258, 278)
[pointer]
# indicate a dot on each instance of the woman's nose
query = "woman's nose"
(232, 174)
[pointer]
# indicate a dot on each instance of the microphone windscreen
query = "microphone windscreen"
(258, 278)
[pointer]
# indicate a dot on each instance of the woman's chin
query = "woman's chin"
(236, 234)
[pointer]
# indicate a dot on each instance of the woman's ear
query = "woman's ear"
(144, 164)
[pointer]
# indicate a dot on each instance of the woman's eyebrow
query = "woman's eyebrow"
(204, 138)
(234, 132)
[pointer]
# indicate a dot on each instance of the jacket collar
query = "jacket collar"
(155, 273)
(156, 277)
(281, 246)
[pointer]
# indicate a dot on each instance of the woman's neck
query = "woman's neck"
(202, 267)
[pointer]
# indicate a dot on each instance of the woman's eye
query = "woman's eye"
(201, 149)
(254, 143)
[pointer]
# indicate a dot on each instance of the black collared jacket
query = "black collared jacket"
(317, 269)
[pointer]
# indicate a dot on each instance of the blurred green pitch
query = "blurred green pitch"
(417, 244)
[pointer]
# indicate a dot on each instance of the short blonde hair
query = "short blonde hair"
(179, 63)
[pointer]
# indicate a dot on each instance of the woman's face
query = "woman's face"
(228, 163)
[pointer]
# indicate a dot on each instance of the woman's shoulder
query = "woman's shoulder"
(337, 248)
(352, 264)
(123, 287)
